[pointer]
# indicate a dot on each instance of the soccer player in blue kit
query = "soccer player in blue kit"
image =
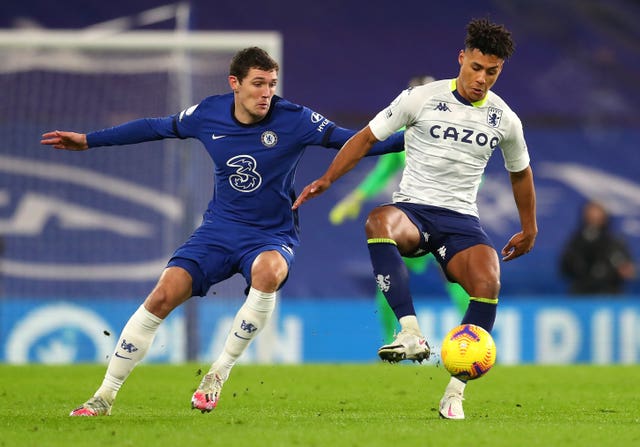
(452, 128)
(256, 140)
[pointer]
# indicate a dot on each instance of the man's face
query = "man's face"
(253, 94)
(595, 216)
(478, 73)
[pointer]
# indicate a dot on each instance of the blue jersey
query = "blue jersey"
(255, 164)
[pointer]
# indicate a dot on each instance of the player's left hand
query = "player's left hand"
(519, 244)
(310, 191)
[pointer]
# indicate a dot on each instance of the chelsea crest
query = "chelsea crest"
(269, 138)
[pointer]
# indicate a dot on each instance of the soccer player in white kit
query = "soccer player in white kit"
(452, 128)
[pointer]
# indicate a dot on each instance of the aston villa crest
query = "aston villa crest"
(493, 116)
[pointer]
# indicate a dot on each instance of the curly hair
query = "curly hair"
(489, 38)
(252, 57)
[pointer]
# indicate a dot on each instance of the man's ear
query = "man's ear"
(234, 83)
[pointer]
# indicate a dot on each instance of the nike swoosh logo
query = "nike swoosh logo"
(240, 336)
(217, 137)
(122, 356)
(449, 412)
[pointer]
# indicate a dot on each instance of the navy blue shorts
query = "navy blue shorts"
(443, 232)
(214, 253)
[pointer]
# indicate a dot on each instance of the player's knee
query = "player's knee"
(266, 282)
(160, 302)
(268, 272)
(493, 287)
(377, 224)
(485, 288)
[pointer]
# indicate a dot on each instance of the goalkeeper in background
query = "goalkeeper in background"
(384, 171)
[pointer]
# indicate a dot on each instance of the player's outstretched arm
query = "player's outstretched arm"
(353, 150)
(525, 196)
(71, 141)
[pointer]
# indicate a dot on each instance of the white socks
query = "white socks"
(409, 323)
(140, 330)
(133, 344)
(249, 321)
(455, 386)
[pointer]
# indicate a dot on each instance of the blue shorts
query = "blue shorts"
(443, 232)
(215, 252)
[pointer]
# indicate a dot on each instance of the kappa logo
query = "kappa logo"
(443, 107)
(442, 251)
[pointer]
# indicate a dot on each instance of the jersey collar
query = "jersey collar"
(264, 120)
(454, 90)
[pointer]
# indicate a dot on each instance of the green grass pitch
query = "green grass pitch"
(325, 405)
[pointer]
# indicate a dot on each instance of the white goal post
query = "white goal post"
(271, 41)
(26, 43)
(204, 40)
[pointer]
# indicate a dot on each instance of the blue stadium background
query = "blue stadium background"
(573, 81)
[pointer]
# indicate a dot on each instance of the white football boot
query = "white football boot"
(207, 395)
(96, 406)
(406, 346)
(451, 406)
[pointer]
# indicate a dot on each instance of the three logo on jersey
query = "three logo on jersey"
(247, 179)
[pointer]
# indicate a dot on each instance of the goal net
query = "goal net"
(103, 222)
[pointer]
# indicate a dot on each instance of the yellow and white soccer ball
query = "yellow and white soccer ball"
(468, 352)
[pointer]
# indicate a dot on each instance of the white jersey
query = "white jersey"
(448, 142)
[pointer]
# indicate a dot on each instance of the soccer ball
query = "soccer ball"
(468, 352)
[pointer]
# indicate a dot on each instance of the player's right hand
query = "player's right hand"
(347, 208)
(71, 141)
(310, 191)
